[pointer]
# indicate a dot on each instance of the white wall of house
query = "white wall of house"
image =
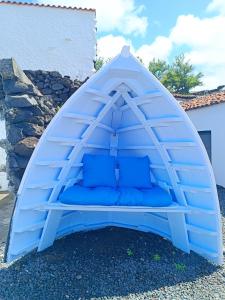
(213, 118)
(46, 38)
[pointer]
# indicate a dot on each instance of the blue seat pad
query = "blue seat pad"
(80, 195)
(153, 197)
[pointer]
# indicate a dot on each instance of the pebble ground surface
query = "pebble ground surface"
(113, 264)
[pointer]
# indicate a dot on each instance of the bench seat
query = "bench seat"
(174, 207)
(79, 198)
(107, 196)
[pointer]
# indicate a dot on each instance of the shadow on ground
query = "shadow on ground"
(103, 263)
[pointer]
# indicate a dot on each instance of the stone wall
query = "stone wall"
(53, 84)
(29, 101)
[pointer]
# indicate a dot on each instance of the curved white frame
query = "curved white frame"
(37, 222)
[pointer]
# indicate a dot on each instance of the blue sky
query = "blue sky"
(162, 16)
(163, 29)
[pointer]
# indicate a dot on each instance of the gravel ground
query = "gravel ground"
(113, 264)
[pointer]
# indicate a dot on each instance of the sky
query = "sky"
(162, 29)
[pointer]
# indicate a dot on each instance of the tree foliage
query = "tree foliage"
(99, 63)
(140, 59)
(179, 77)
(158, 68)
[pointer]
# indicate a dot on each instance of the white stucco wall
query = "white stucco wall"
(213, 118)
(53, 39)
(3, 175)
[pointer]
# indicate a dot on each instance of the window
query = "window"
(207, 141)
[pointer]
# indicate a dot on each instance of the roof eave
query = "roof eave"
(47, 6)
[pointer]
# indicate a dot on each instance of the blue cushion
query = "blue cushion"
(134, 172)
(153, 197)
(130, 197)
(156, 197)
(89, 196)
(79, 195)
(99, 170)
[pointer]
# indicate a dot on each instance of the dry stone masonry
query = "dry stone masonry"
(53, 84)
(29, 100)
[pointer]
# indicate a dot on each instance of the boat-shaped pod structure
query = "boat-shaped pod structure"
(122, 110)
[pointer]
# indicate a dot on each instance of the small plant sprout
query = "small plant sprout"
(57, 108)
(130, 252)
(156, 257)
(180, 267)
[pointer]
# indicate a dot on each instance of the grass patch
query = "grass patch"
(130, 252)
(156, 257)
(180, 267)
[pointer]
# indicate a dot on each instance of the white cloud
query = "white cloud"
(196, 32)
(121, 15)
(160, 48)
(110, 45)
(204, 37)
(217, 5)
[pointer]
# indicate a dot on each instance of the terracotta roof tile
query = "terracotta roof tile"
(46, 5)
(184, 96)
(203, 101)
